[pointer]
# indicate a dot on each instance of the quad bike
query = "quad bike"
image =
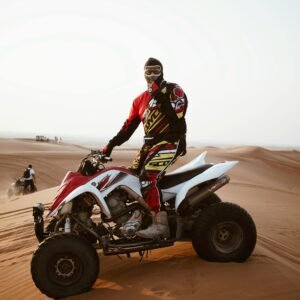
(94, 203)
(17, 188)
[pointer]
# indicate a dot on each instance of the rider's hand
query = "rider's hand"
(107, 150)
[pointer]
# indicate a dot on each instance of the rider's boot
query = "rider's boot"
(159, 229)
(133, 224)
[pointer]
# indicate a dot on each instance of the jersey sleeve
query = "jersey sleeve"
(178, 101)
(174, 103)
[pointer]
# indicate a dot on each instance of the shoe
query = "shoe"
(158, 230)
(133, 224)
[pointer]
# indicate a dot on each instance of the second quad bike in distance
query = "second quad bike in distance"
(66, 261)
(17, 188)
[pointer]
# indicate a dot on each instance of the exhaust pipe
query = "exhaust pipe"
(193, 201)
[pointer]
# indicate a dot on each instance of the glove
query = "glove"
(107, 150)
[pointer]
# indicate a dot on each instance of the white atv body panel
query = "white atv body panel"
(196, 162)
(132, 182)
(91, 187)
(213, 172)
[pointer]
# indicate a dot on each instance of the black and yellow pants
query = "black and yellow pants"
(151, 163)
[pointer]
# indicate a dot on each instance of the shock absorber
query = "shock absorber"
(68, 225)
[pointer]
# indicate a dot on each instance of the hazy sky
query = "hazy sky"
(74, 67)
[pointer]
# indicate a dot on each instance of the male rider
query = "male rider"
(161, 108)
(29, 179)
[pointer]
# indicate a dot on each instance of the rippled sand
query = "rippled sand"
(266, 183)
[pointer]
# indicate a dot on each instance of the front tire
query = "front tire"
(224, 232)
(64, 265)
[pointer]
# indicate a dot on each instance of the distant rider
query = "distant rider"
(29, 180)
(161, 108)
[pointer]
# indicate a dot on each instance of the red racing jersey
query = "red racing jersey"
(162, 112)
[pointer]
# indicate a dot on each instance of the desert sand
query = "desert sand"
(266, 183)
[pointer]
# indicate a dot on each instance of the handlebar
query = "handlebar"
(92, 162)
(100, 156)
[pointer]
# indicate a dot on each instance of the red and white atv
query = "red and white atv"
(94, 203)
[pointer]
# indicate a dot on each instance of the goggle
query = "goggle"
(156, 70)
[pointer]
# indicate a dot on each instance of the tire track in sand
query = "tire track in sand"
(280, 252)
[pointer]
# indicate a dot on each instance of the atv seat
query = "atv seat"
(170, 180)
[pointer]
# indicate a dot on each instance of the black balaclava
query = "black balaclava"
(152, 78)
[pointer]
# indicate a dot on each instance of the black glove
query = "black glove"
(107, 150)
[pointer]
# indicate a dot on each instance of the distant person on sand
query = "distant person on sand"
(29, 180)
(161, 108)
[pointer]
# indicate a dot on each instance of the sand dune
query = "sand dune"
(50, 161)
(266, 183)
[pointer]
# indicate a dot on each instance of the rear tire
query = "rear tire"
(64, 265)
(224, 232)
(26, 190)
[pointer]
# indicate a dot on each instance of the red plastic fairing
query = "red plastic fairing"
(69, 184)
(73, 180)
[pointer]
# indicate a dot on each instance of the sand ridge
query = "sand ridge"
(265, 182)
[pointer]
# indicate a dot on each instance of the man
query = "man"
(29, 180)
(161, 108)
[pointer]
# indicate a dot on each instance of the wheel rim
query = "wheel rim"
(227, 237)
(65, 269)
